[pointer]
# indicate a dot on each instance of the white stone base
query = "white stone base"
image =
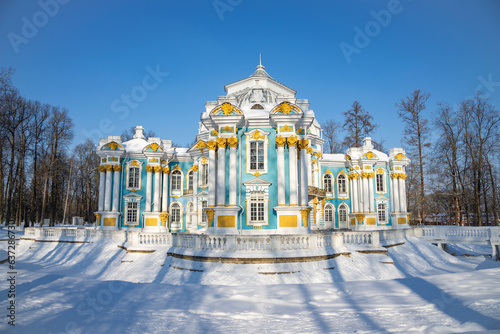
(225, 220)
(153, 223)
(109, 220)
(400, 220)
(289, 220)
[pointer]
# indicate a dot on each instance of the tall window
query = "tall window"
(380, 183)
(190, 181)
(257, 207)
(133, 177)
(189, 213)
(176, 180)
(342, 214)
(175, 215)
(327, 183)
(257, 155)
(382, 212)
(132, 213)
(203, 174)
(342, 185)
(204, 219)
(328, 213)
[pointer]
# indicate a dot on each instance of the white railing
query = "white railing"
(462, 234)
(246, 243)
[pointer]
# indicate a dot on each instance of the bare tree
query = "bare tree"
(416, 136)
(358, 124)
(330, 132)
(129, 134)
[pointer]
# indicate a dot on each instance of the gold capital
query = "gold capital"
(232, 142)
(109, 168)
(195, 168)
(212, 145)
(117, 168)
(149, 169)
(166, 170)
(221, 142)
(309, 150)
(280, 141)
(157, 169)
(102, 168)
(291, 141)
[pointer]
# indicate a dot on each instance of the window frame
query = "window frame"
(190, 181)
(257, 204)
(203, 175)
(380, 173)
(330, 176)
(253, 137)
(384, 211)
(342, 194)
(173, 190)
(173, 206)
(340, 209)
(329, 207)
(133, 164)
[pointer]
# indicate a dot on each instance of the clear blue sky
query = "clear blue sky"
(86, 54)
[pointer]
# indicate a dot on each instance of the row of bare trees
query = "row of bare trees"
(453, 176)
(40, 178)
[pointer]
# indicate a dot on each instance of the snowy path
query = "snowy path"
(427, 292)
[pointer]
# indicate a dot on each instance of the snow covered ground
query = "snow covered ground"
(100, 288)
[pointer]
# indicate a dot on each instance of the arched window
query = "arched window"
(190, 181)
(327, 183)
(203, 174)
(189, 213)
(176, 180)
(343, 211)
(341, 184)
(328, 213)
(175, 216)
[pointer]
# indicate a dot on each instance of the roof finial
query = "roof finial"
(260, 59)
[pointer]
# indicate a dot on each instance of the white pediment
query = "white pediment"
(255, 182)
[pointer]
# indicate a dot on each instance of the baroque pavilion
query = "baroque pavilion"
(257, 167)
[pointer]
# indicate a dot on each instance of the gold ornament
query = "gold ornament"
(154, 147)
(257, 136)
(280, 141)
(166, 170)
(305, 214)
(227, 108)
(291, 141)
(195, 168)
(163, 217)
(232, 142)
(400, 156)
(360, 218)
(149, 169)
(286, 128)
(370, 156)
(109, 168)
(97, 217)
(157, 169)
(221, 142)
(210, 216)
(300, 131)
(102, 168)
(309, 150)
(134, 163)
(117, 168)
(212, 145)
(201, 145)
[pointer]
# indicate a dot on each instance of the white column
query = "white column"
(402, 201)
(212, 146)
(366, 200)
(393, 205)
(195, 197)
(354, 191)
(292, 169)
(116, 187)
(395, 194)
(102, 181)
(303, 172)
(371, 196)
(310, 180)
(164, 198)
(221, 172)
(233, 144)
(280, 142)
(107, 198)
(156, 200)
(149, 180)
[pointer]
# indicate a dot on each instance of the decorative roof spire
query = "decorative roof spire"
(261, 72)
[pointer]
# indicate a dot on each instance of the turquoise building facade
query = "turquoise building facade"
(257, 167)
